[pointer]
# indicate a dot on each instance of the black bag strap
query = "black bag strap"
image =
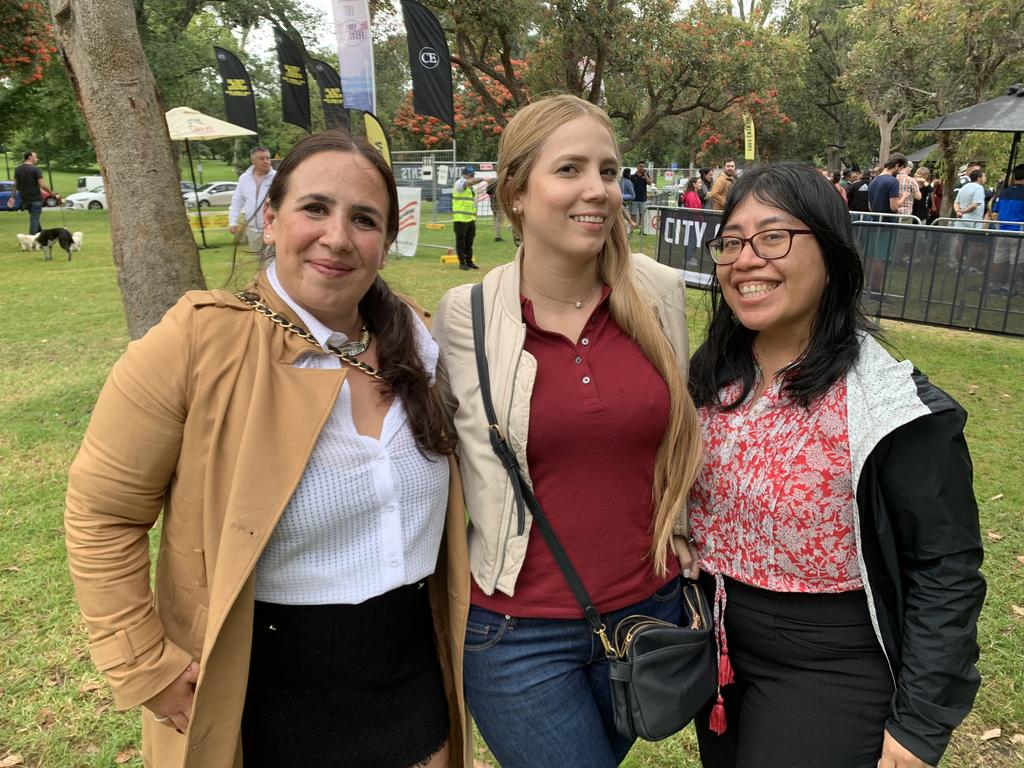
(523, 492)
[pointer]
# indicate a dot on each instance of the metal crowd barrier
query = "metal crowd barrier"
(948, 276)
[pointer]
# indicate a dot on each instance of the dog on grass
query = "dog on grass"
(27, 242)
(68, 241)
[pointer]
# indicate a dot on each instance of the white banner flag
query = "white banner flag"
(408, 222)
(355, 54)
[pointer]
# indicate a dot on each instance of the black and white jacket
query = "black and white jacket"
(918, 541)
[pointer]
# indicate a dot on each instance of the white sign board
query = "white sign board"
(408, 221)
(442, 175)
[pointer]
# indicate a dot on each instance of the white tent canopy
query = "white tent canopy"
(184, 123)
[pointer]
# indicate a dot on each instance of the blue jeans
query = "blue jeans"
(538, 688)
(35, 210)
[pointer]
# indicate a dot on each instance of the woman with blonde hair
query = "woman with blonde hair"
(586, 346)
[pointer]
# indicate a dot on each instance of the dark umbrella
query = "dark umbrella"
(1003, 114)
(922, 154)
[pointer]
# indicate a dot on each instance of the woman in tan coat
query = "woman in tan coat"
(311, 590)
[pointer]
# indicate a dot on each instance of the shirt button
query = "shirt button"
(584, 341)
(586, 379)
(579, 360)
(394, 563)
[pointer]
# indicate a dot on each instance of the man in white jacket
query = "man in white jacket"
(246, 212)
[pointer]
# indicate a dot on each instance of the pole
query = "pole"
(195, 191)
(1013, 159)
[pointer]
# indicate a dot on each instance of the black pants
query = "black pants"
(345, 686)
(812, 690)
(465, 233)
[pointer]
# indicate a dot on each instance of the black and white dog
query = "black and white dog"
(69, 241)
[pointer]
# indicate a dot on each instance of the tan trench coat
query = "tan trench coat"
(206, 419)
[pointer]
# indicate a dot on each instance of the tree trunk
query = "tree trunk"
(885, 126)
(154, 251)
(949, 177)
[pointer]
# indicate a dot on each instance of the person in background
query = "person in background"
(857, 192)
(586, 345)
(464, 216)
(310, 590)
(641, 180)
(923, 204)
(910, 192)
(690, 198)
(1008, 207)
(834, 514)
(499, 219)
(969, 204)
(706, 180)
(628, 193)
(245, 216)
(28, 181)
(723, 182)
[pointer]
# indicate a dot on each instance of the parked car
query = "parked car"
(85, 183)
(7, 189)
(94, 199)
(216, 193)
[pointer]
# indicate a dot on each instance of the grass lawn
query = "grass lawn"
(63, 328)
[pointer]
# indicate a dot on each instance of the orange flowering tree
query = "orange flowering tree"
(26, 41)
(477, 126)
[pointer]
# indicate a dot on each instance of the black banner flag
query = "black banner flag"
(335, 115)
(239, 104)
(429, 62)
(294, 86)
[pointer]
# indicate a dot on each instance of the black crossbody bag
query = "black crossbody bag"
(660, 674)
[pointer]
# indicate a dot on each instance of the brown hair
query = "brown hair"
(384, 313)
(679, 455)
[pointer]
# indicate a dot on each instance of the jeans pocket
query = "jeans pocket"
(669, 591)
(484, 628)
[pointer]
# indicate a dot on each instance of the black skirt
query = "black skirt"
(345, 685)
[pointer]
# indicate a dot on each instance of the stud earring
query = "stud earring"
(514, 209)
(266, 238)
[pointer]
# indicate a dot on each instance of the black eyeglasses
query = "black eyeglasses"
(767, 244)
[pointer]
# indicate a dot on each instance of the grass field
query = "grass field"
(62, 328)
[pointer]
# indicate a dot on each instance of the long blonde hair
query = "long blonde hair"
(679, 455)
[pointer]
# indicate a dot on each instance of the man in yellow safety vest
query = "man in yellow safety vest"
(464, 214)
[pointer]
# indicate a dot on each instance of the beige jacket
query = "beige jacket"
(497, 540)
(720, 190)
(206, 418)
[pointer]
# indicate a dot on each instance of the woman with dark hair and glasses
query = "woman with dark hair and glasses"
(834, 514)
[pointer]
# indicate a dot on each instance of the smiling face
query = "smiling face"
(572, 194)
(329, 236)
(777, 298)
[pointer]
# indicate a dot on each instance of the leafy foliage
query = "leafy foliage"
(26, 41)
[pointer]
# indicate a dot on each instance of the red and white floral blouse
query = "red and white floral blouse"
(773, 505)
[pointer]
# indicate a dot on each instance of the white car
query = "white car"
(217, 193)
(95, 199)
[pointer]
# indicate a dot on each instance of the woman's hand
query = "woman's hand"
(687, 554)
(895, 755)
(173, 705)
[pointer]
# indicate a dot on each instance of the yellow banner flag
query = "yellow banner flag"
(375, 135)
(748, 137)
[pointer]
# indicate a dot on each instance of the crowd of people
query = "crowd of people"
(347, 570)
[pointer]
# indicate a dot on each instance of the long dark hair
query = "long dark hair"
(384, 314)
(727, 353)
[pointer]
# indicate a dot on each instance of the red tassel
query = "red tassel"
(717, 720)
(725, 673)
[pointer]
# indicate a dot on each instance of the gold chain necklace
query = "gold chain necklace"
(578, 304)
(346, 352)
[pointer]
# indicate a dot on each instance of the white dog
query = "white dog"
(76, 241)
(28, 242)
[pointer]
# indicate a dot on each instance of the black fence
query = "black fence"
(949, 276)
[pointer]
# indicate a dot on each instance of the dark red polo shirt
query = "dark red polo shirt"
(598, 413)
